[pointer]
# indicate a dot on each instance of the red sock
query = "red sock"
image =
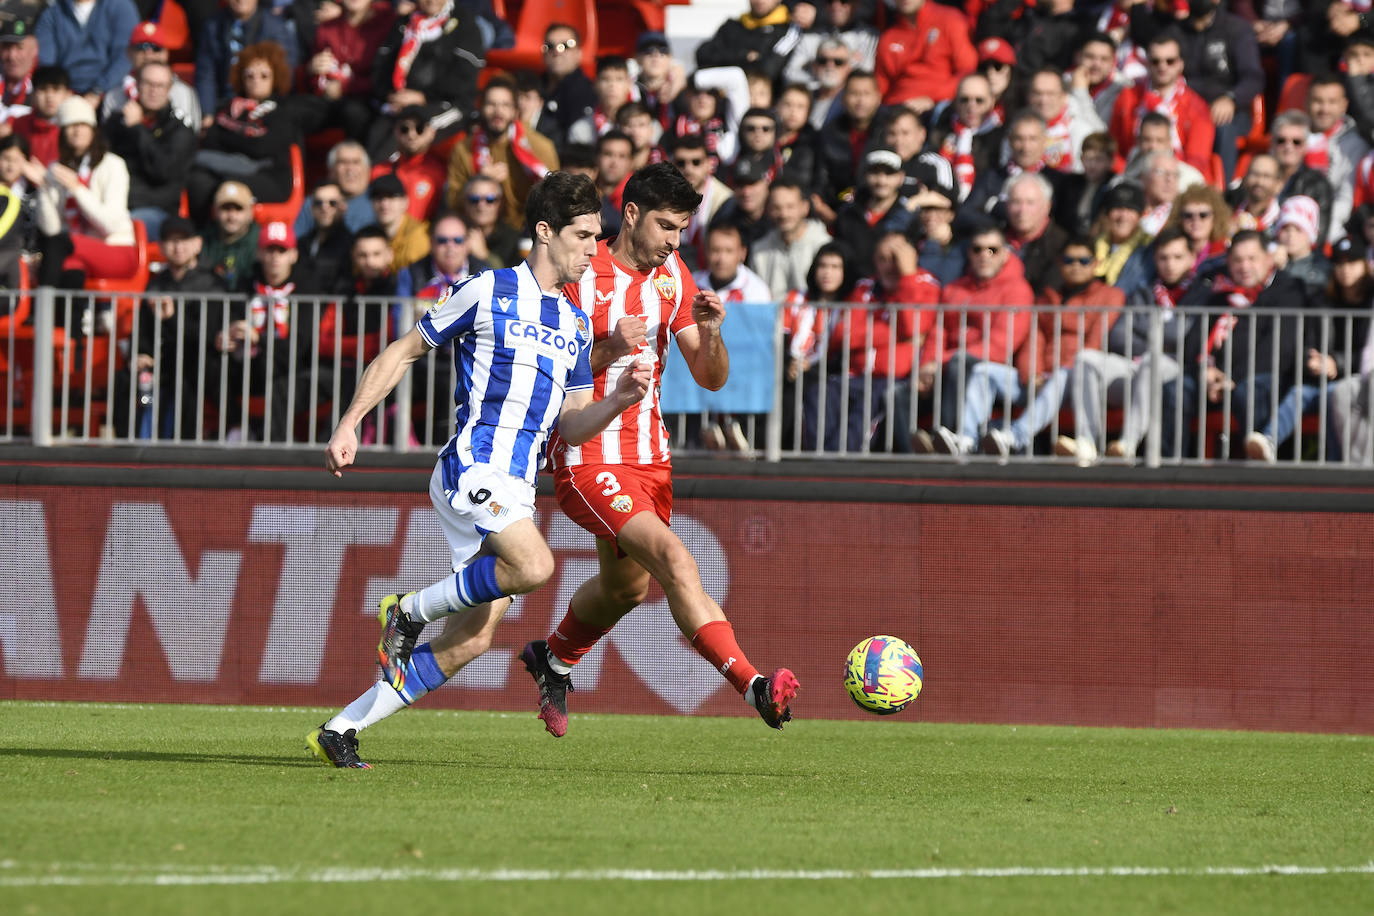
(573, 639)
(715, 642)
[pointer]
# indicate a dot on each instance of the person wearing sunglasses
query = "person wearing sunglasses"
(972, 351)
(326, 244)
(691, 159)
(148, 45)
(1290, 137)
(220, 42)
(1164, 90)
(1202, 214)
(489, 236)
(997, 64)
(922, 54)
(827, 73)
(420, 170)
(845, 42)
(1088, 309)
(569, 94)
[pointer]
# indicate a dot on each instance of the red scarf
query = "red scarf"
(1319, 147)
(419, 32)
(1166, 297)
(1266, 220)
(1237, 297)
(711, 131)
(804, 324)
(71, 211)
(958, 149)
(519, 146)
(1169, 104)
(130, 86)
(601, 122)
(17, 93)
(276, 299)
(341, 72)
(1059, 149)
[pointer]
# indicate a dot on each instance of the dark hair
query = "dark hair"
(859, 75)
(1247, 235)
(1155, 119)
(1170, 235)
(759, 113)
(578, 156)
(1325, 79)
(987, 228)
(498, 82)
(661, 186)
(1165, 36)
(813, 292)
(630, 110)
(786, 183)
(1094, 38)
(690, 141)
(370, 231)
(528, 81)
(51, 76)
(725, 226)
(610, 135)
(1081, 240)
(1101, 142)
(559, 199)
(611, 62)
(561, 25)
(15, 141)
(270, 53)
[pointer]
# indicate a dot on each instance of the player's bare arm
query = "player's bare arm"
(626, 337)
(582, 418)
(380, 377)
(702, 346)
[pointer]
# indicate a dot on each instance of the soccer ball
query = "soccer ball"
(883, 675)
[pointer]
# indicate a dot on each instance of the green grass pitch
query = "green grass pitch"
(112, 808)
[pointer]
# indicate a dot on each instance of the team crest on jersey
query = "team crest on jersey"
(496, 508)
(622, 503)
(667, 286)
(581, 326)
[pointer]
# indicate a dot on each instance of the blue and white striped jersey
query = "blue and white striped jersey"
(518, 350)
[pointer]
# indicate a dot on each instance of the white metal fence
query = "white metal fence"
(212, 369)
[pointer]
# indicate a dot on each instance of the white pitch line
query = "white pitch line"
(76, 874)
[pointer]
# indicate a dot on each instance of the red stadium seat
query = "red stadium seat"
(1294, 92)
(286, 210)
(534, 19)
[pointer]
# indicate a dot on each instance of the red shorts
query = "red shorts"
(603, 497)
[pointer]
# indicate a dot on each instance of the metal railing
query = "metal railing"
(170, 369)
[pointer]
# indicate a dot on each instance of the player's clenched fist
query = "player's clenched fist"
(628, 335)
(632, 384)
(707, 310)
(342, 449)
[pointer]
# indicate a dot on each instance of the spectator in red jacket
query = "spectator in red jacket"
(341, 67)
(1166, 91)
(421, 172)
(975, 350)
(51, 87)
(922, 55)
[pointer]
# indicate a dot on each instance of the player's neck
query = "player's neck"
(624, 252)
(543, 269)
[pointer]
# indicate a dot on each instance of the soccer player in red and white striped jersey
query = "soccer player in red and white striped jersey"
(618, 485)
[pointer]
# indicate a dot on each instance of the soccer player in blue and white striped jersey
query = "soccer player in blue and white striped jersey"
(522, 352)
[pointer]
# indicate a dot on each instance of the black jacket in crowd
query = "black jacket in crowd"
(445, 69)
(1257, 325)
(159, 151)
(1222, 59)
(733, 43)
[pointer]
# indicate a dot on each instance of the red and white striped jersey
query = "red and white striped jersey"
(609, 291)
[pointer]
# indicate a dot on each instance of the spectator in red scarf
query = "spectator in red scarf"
(1289, 135)
(1096, 74)
(1334, 147)
(635, 121)
(1166, 91)
(922, 55)
(430, 58)
(844, 142)
(501, 148)
(340, 68)
(1258, 206)
(969, 133)
(613, 88)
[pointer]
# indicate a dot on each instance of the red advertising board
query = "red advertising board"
(1086, 616)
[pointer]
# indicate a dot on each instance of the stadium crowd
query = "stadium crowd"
(993, 153)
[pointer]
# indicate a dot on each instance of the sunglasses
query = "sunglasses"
(1163, 61)
(560, 47)
(483, 198)
(1197, 214)
(1081, 260)
(231, 206)
(330, 202)
(148, 46)
(408, 127)
(971, 100)
(689, 163)
(1289, 141)
(449, 239)
(986, 249)
(831, 61)
(757, 128)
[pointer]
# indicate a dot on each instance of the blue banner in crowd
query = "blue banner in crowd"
(748, 333)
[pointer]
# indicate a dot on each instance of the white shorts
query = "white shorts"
(486, 501)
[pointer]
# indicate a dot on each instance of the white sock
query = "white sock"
(380, 701)
(557, 664)
(436, 601)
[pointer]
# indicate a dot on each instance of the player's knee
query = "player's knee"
(534, 571)
(680, 571)
(627, 596)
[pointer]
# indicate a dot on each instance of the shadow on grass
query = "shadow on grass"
(66, 753)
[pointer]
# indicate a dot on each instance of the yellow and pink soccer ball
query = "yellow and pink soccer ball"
(883, 675)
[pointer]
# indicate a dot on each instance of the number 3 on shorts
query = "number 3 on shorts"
(607, 479)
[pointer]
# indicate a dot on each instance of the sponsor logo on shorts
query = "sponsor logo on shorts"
(622, 503)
